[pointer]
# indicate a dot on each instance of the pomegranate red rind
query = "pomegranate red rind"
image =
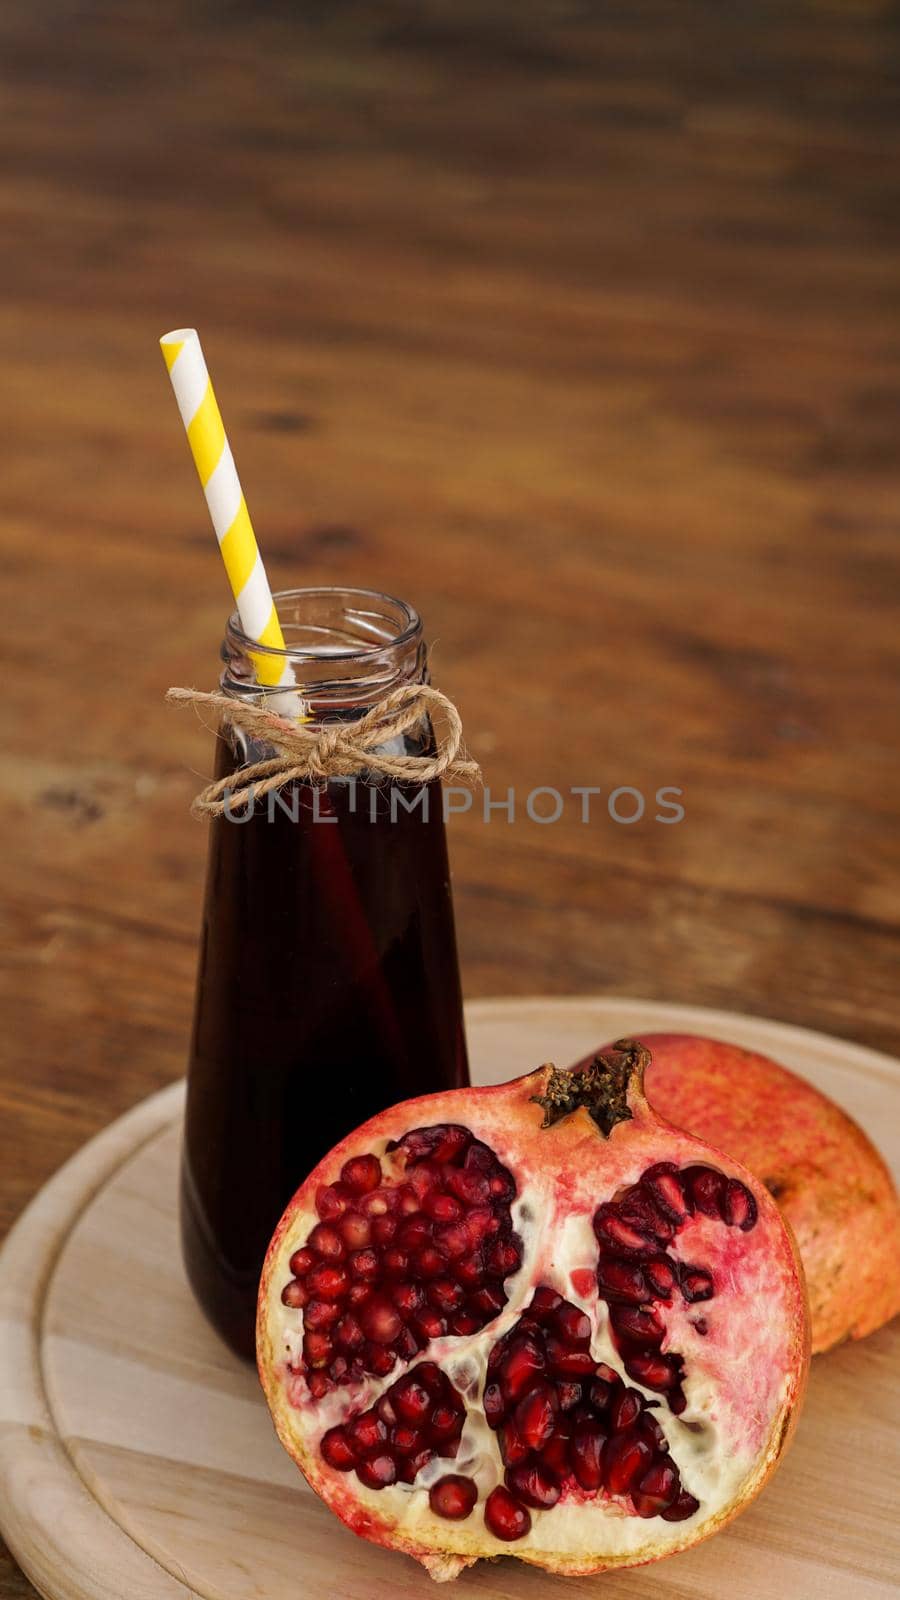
(632, 1338)
(827, 1177)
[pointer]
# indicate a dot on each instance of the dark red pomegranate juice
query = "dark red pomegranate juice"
(328, 989)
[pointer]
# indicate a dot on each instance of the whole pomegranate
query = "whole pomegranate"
(827, 1177)
(535, 1319)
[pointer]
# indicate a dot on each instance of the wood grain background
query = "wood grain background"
(575, 324)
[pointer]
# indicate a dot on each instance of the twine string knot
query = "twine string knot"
(335, 750)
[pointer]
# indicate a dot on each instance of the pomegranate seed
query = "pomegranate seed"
(572, 1325)
(739, 1206)
(523, 1363)
(707, 1189)
(396, 1262)
(326, 1242)
(612, 1229)
(463, 1323)
(661, 1276)
(429, 1262)
(406, 1440)
(637, 1206)
(409, 1467)
(383, 1230)
(319, 1385)
(453, 1497)
(445, 1295)
(640, 1323)
(332, 1200)
(317, 1348)
(657, 1490)
(504, 1517)
(626, 1456)
(339, 1368)
(472, 1188)
(364, 1265)
(411, 1400)
(569, 1363)
(555, 1454)
(602, 1391)
(684, 1506)
(348, 1334)
(655, 1371)
(321, 1314)
(649, 1429)
(378, 1472)
(487, 1302)
(470, 1271)
(667, 1190)
(452, 1145)
(446, 1421)
(361, 1174)
(379, 1360)
(381, 1320)
(338, 1450)
(358, 1294)
(408, 1201)
(378, 1203)
(385, 1408)
(481, 1158)
(625, 1409)
(424, 1178)
(512, 1448)
(407, 1344)
(327, 1283)
(414, 1233)
(696, 1284)
(622, 1280)
(407, 1297)
(443, 1207)
(356, 1230)
(429, 1324)
(494, 1404)
(452, 1240)
(294, 1294)
(586, 1455)
(676, 1400)
(480, 1224)
(444, 1142)
(435, 1381)
(504, 1258)
(568, 1394)
(535, 1416)
(533, 1484)
(301, 1262)
(543, 1302)
(367, 1433)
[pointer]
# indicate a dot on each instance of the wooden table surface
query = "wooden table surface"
(577, 326)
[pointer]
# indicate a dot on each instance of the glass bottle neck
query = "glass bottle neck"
(344, 648)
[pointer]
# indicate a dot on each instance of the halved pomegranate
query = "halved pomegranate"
(533, 1319)
(827, 1177)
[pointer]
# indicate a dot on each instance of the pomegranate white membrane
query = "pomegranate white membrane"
(533, 1319)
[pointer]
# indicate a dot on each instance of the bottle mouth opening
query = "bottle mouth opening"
(333, 624)
(344, 644)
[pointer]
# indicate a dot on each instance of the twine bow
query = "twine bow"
(337, 750)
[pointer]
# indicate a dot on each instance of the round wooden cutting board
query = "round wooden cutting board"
(137, 1460)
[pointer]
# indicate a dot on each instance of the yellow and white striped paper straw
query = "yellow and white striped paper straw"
(224, 497)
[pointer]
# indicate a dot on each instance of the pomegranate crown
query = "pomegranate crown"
(603, 1087)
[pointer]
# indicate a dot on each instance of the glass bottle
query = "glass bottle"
(328, 985)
